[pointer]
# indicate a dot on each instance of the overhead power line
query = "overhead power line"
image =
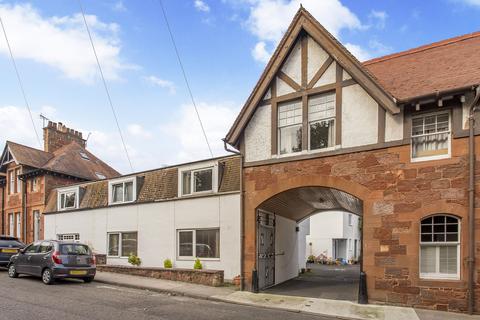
(185, 76)
(105, 85)
(20, 83)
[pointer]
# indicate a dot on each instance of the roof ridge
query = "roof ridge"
(25, 146)
(425, 47)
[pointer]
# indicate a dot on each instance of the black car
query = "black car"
(9, 246)
(53, 259)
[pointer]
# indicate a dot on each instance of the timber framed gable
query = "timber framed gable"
(294, 74)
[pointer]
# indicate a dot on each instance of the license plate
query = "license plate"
(9, 250)
(78, 272)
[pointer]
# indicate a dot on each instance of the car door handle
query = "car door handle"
(29, 258)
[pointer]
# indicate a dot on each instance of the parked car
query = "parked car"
(9, 246)
(54, 259)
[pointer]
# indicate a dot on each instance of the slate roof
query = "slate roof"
(437, 67)
(66, 160)
(155, 185)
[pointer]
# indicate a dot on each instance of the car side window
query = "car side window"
(45, 247)
(33, 248)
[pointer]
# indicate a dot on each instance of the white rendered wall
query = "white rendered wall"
(359, 117)
(393, 126)
(293, 64)
(286, 249)
(329, 225)
(258, 135)
(316, 58)
(303, 231)
(157, 225)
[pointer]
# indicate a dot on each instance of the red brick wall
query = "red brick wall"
(396, 195)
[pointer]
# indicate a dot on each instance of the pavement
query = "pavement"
(301, 305)
(324, 282)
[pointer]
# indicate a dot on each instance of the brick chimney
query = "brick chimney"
(57, 135)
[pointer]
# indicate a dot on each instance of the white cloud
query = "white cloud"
(137, 130)
(200, 5)
(170, 86)
(260, 52)
(380, 18)
(269, 19)
(62, 42)
(360, 53)
(119, 6)
(186, 134)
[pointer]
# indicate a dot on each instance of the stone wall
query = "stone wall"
(212, 278)
(397, 194)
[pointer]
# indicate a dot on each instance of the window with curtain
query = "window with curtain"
(290, 127)
(431, 136)
(200, 243)
(440, 247)
(321, 121)
(122, 192)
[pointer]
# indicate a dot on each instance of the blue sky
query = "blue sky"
(223, 43)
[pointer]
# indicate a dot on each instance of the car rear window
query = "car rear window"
(79, 249)
(10, 243)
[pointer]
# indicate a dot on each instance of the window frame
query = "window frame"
(11, 224)
(64, 191)
(309, 122)
(279, 127)
(120, 248)
(449, 132)
(194, 244)
(11, 182)
(124, 181)
(18, 225)
(197, 168)
(437, 275)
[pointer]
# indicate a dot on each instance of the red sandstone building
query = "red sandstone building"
(386, 139)
(27, 176)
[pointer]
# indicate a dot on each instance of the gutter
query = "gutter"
(438, 94)
(471, 202)
(242, 224)
(24, 209)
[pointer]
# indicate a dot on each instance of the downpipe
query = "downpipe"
(471, 203)
(242, 226)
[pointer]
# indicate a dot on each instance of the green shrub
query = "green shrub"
(197, 265)
(134, 260)
(167, 264)
(311, 259)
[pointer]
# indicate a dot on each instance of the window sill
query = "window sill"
(119, 203)
(444, 278)
(430, 158)
(193, 259)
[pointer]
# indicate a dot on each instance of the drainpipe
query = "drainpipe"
(3, 210)
(24, 209)
(471, 203)
(242, 235)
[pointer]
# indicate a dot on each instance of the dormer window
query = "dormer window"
(198, 180)
(431, 136)
(290, 127)
(100, 176)
(122, 191)
(68, 198)
(84, 156)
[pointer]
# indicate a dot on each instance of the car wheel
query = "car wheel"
(47, 276)
(88, 280)
(12, 271)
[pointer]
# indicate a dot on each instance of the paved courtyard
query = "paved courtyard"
(324, 281)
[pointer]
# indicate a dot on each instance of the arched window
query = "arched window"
(440, 247)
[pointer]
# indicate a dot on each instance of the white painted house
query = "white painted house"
(179, 213)
(334, 235)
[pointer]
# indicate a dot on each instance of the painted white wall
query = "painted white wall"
(393, 126)
(329, 225)
(303, 232)
(283, 88)
(329, 77)
(316, 58)
(157, 225)
(258, 135)
(286, 249)
(293, 64)
(359, 117)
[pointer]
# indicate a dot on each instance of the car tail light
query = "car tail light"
(55, 258)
